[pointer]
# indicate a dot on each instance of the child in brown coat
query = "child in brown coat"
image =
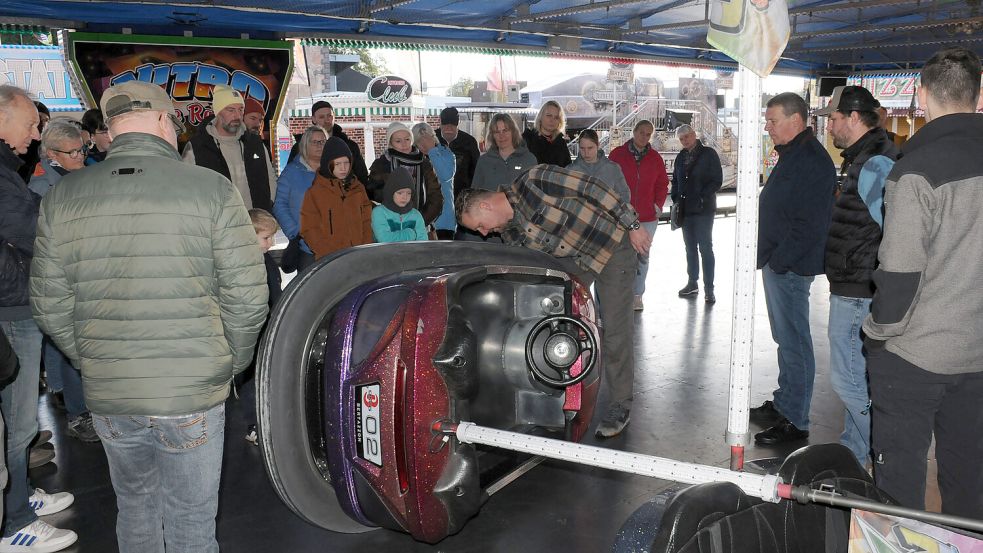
(336, 212)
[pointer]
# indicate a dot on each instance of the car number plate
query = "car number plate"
(368, 427)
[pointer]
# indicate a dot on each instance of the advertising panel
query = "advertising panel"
(187, 68)
(40, 70)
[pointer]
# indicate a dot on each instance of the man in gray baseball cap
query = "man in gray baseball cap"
(147, 275)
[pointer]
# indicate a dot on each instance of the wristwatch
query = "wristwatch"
(635, 226)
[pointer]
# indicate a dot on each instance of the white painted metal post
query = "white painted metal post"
(745, 262)
(369, 137)
(757, 485)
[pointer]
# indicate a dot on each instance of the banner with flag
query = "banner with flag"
(753, 32)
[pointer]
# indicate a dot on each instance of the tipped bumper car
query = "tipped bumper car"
(371, 348)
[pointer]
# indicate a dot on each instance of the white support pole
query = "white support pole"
(369, 137)
(757, 485)
(745, 263)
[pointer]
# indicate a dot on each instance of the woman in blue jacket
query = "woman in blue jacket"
(296, 178)
(444, 165)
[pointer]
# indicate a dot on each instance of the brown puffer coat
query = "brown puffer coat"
(334, 217)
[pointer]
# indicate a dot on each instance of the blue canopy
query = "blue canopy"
(828, 37)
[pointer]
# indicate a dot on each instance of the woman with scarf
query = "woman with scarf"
(427, 196)
(546, 141)
(648, 181)
(336, 213)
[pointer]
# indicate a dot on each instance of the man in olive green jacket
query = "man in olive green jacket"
(147, 273)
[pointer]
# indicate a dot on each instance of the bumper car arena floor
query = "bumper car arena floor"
(680, 411)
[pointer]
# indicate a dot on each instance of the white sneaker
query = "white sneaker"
(38, 537)
(50, 503)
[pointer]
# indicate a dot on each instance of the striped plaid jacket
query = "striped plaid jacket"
(567, 214)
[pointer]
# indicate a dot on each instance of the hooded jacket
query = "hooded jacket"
(606, 171)
(392, 223)
(147, 273)
(335, 215)
(427, 197)
(358, 162)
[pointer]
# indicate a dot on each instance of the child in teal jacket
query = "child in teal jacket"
(395, 220)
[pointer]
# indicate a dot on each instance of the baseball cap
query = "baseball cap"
(134, 96)
(850, 98)
(449, 116)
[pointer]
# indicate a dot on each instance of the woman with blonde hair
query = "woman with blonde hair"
(546, 140)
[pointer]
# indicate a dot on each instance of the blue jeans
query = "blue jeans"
(848, 370)
(166, 472)
(19, 402)
(643, 261)
(698, 233)
(65, 378)
(787, 299)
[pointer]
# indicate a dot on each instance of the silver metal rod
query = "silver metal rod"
(805, 493)
(514, 475)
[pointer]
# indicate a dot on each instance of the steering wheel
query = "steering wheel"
(561, 349)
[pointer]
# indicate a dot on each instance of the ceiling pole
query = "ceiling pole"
(574, 10)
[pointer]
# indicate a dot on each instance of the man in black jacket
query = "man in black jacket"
(322, 115)
(851, 249)
(19, 398)
(794, 208)
(697, 176)
(223, 145)
(462, 144)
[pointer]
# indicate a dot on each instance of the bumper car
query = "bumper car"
(370, 350)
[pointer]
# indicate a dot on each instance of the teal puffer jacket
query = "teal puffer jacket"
(147, 272)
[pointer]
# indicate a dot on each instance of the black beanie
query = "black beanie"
(397, 180)
(318, 105)
(449, 116)
(42, 108)
(334, 148)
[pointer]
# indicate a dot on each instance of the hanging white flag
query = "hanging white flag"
(753, 32)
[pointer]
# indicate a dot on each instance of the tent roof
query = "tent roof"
(827, 36)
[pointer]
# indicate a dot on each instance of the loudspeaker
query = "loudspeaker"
(827, 84)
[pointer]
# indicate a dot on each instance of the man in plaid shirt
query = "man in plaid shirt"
(596, 234)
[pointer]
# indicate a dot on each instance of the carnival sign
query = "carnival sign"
(40, 70)
(186, 68)
(389, 90)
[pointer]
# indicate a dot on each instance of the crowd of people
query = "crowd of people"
(143, 279)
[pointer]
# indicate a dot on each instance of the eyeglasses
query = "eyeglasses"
(74, 154)
(318, 143)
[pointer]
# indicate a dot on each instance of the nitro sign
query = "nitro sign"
(389, 90)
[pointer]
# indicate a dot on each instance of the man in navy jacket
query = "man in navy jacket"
(794, 207)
